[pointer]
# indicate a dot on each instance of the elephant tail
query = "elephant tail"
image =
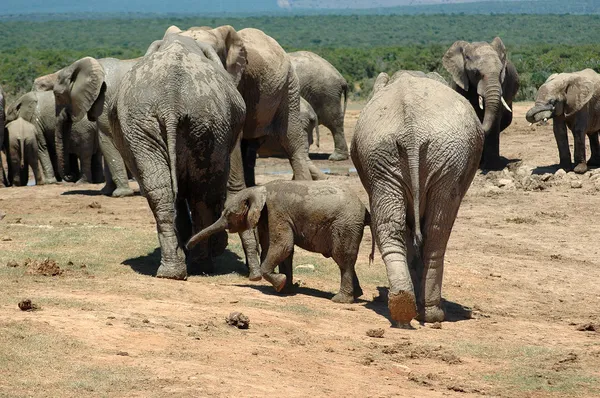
(22, 148)
(173, 127)
(370, 224)
(345, 93)
(317, 132)
(413, 165)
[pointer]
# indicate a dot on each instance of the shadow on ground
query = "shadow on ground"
(227, 263)
(307, 291)
(455, 312)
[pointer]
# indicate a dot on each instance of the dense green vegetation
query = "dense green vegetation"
(360, 46)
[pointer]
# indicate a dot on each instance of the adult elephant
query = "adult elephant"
(572, 100)
(271, 92)
(416, 148)
(177, 146)
(5, 181)
(38, 108)
(104, 82)
(483, 75)
(324, 87)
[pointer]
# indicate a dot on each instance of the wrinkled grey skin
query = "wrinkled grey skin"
(178, 146)
(572, 100)
(266, 79)
(38, 108)
(383, 79)
(22, 153)
(416, 148)
(318, 216)
(5, 181)
(310, 122)
(482, 70)
(323, 87)
(76, 89)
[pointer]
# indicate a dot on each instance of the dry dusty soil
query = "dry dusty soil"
(522, 291)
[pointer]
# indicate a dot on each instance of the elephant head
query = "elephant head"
(78, 91)
(241, 213)
(562, 94)
(24, 107)
(226, 42)
(480, 66)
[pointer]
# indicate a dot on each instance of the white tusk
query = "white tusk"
(505, 104)
(530, 124)
(545, 119)
(480, 102)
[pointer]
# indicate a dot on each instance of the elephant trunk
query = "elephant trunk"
(218, 226)
(61, 136)
(491, 95)
(539, 112)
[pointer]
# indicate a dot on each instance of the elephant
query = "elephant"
(571, 100)
(383, 79)
(177, 146)
(22, 152)
(318, 216)
(2, 118)
(69, 100)
(416, 148)
(38, 108)
(482, 74)
(310, 122)
(266, 79)
(323, 87)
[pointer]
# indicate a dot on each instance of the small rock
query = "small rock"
(27, 305)
(123, 353)
(238, 320)
(576, 184)
(504, 182)
(376, 333)
(145, 321)
(587, 327)
(95, 205)
(12, 264)
(493, 275)
(6, 239)
(573, 176)
(436, 325)
(305, 267)
(560, 173)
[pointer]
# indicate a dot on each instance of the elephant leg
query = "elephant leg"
(118, 184)
(345, 255)
(491, 151)
(594, 160)
(276, 253)
(388, 212)
(35, 165)
(24, 173)
(97, 171)
(86, 170)
(562, 142)
(579, 151)
(200, 257)
(249, 148)
(286, 268)
(74, 171)
(47, 164)
(341, 147)
(183, 221)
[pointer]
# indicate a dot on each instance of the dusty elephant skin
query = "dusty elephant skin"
(58, 156)
(483, 75)
(571, 100)
(318, 216)
(88, 87)
(326, 91)
(416, 148)
(178, 146)
(22, 152)
(4, 181)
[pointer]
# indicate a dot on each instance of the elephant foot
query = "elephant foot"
(494, 163)
(566, 166)
(580, 168)
(336, 156)
(431, 314)
(122, 192)
(255, 274)
(594, 161)
(108, 189)
(48, 181)
(357, 292)
(277, 280)
(343, 298)
(402, 306)
(177, 272)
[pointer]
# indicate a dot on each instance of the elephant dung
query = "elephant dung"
(576, 184)
(27, 305)
(305, 267)
(376, 333)
(238, 320)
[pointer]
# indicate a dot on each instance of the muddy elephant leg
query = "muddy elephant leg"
(97, 172)
(47, 167)
(24, 174)
(118, 184)
(594, 160)
(341, 147)
(275, 255)
(579, 151)
(199, 258)
(491, 151)
(345, 256)
(86, 170)
(562, 141)
(388, 212)
(249, 148)
(286, 268)
(35, 165)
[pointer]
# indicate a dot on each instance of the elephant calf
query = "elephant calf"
(416, 147)
(22, 151)
(318, 216)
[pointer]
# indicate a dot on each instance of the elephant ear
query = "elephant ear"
(24, 108)
(257, 197)
(454, 62)
(438, 77)
(172, 30)
(154, 47)
(579, 91)
(81, 86)
(551, 77)
(498, 45)
(381, 81)
(236, 55)
(46, 82)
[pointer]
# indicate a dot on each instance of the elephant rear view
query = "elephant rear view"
(176, 119)
(416, 147)
(22, 152)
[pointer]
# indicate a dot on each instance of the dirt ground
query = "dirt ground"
(522, 277)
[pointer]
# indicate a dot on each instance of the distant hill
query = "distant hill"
(94, 9)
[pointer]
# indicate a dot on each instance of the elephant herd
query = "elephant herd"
(189, 118)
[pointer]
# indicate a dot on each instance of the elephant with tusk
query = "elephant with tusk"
(571, 100)
(483, 75)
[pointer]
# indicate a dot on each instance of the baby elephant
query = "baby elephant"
(22, 152)
(318, 216)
